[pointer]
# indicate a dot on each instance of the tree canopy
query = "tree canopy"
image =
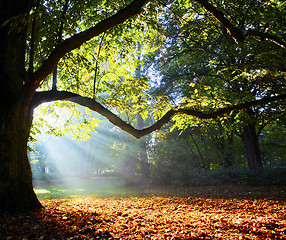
(98, 71)
(206, 59)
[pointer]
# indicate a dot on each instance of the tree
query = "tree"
(205, 67)
(273, 143)
(34, 42)
(19, 96)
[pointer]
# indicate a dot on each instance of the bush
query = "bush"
(243, 176)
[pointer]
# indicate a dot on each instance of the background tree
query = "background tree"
(206, 68)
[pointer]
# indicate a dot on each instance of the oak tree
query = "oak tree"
(35, 37)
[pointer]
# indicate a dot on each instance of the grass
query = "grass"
(93, 187)
(116, 187)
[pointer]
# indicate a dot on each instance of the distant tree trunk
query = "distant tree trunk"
(203, 161)
(87, 162)
(98, 169)
(189, 148)
(16, 189)
(223, 146)
(143, 151)
(228, 155)
(143, 158)
(251, 143)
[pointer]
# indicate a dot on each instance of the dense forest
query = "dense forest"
(170, 92)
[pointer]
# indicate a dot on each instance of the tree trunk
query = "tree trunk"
(143, 157)
(228, 156)
(224, 145)
(251, 143)
(16, 190)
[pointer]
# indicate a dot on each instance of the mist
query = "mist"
(103, 163)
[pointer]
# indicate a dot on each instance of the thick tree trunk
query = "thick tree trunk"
(251, 143)
(16, 190)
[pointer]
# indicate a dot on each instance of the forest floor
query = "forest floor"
(116, 187)
(200, 212)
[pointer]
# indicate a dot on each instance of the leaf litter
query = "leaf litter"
(149, 218)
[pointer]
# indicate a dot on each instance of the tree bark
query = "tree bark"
(16, 190)
(251, 143)
(227, 155)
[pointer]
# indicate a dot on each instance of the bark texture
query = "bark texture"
(16, 190)
(251, 143)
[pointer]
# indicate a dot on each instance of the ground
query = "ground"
(201, 212)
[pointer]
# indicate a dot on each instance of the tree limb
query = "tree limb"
(235, 32)
(32, 47)
(78, 39)
(58, 42)
(263, 35)
(222, 111)
(48, 96)
(238, 34)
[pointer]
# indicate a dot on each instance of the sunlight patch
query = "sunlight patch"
(80, 190)
(41, 191)
(60, 190)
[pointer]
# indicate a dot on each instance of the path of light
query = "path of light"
(69, 156)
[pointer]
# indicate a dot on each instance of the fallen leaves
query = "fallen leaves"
(149, 218)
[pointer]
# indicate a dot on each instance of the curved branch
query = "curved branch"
(48, 96)
(238, 35)
(222, 111)
(78, 39)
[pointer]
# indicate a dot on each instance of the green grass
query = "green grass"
(95, 187)
(117, 187)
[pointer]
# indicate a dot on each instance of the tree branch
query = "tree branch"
(48, 96)
(78, 39)
(238, 34)
(32, 48)
(263, 35)
(222, 111)
(58, 42)
(96, 67)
